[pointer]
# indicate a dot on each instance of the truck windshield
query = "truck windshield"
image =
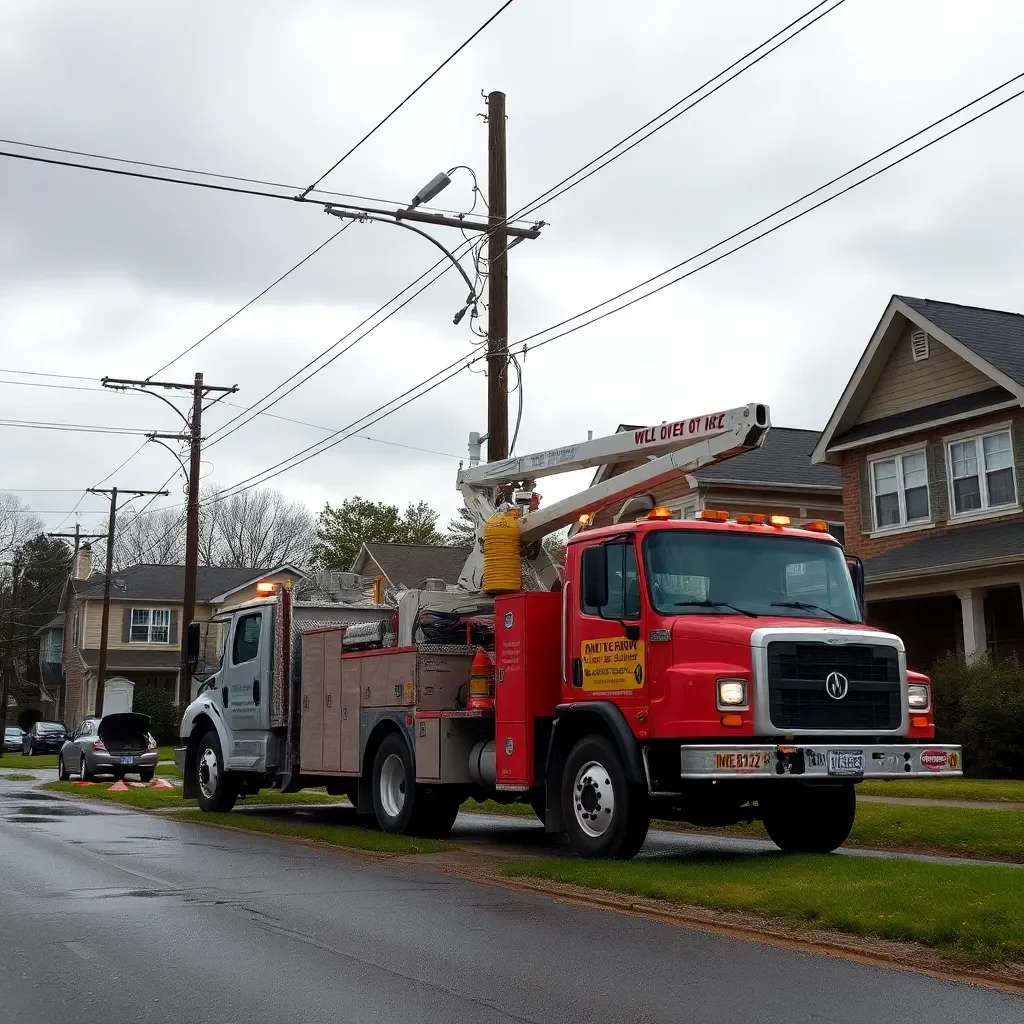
(702, 572)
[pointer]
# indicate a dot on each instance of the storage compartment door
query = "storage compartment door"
(332, 701)
(311, 728)
(428, 749)
(350, 680)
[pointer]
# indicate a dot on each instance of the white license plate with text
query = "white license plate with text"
(846, 762)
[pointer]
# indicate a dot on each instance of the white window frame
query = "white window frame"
(150, 625)
(987, 509)
(897, 456)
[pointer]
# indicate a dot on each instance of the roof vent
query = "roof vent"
(919, 346)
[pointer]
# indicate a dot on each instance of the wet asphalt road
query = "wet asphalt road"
(110, 916)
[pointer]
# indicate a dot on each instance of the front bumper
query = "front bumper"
(812, 761)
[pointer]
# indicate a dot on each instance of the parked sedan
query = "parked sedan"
(113, 745)
(44, 738)
(13, 738)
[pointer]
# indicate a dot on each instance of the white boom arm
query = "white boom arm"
(670, 448)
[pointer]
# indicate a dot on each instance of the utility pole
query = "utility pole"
(77, 537)
(497, 282)
(101, 670)
(194, 435)
(7, 655)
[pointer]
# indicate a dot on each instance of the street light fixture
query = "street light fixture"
(437, 184)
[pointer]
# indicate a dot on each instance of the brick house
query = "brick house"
(145, 622)
(777, 478)
(929, 437)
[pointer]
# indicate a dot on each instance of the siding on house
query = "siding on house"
(904, 384)
(857, 510)
(115, 630)
(250, 593)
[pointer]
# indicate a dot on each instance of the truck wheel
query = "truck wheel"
(394, 785)
(435, 810)
(810, 819)
(604, 816)
(217, 788)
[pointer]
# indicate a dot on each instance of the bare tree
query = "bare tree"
(17, 525)
(254, 528)
(156, 538)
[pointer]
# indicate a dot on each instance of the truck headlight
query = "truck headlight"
(918, 697)
(732, 693)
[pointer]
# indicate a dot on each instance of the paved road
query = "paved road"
(114, 916)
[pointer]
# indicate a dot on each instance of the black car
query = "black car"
(44, 738)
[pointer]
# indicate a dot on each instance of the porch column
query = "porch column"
(972, 608)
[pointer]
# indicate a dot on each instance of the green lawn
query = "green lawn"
(154, 799)
(974, 914)
(995, 790)
(351, 836)
(18, 777)
(493, 807)
(169, 771)
(28, 762)
(166, 753)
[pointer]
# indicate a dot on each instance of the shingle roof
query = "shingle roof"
(408, 565)
(995, 335)
(166, 582)
(128, 659)
(975, 402)
(963, 545)
(783, 458)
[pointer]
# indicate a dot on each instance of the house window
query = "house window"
(981, 473)
(899, 487)
(150, 626)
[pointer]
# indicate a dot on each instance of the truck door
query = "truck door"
(246, 673)
(605, 650)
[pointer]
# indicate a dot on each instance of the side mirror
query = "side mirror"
(595, 576)
(857, 575)
(194, 641)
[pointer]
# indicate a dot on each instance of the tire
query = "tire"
(810, 819)
(84, 774)
(435, 811)
(216, 788)
(394, 785)
(604, 816)
(146, 776)
(63, 774)
(343, 787)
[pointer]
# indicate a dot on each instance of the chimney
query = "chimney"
(83, 564)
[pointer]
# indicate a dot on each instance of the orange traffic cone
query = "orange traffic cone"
(118, 787)
(481, 682)
(159, 783)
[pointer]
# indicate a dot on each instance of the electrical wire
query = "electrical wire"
(85, 428)
(738, 67)
(40, 373)
(387, 117)
(255, 298)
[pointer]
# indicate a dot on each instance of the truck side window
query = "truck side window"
(623, 585)
(247, 638)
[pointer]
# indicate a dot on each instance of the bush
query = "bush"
(982, 707)
(28, 718)
(158, 703)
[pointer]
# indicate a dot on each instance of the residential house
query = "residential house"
(777, 478)
(408, 566)
(929, 436)
(145, 620)
(51, 647)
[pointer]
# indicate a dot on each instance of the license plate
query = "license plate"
(741, 761)
(846, 762)
(127, 760)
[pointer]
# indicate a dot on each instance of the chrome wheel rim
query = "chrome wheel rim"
(593, 799)
(208, 773)
(81, 769)
(392, 786)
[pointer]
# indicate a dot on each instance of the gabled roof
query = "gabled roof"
(961, 548)
(408, 565)
(783, 459)
(991, 340)
(167, 582)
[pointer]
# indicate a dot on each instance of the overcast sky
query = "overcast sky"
(102, 275)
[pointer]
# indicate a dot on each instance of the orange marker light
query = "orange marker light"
(732, 720)
(919, 722)
(818, 525)
(661, 512)
(584, 519)
(265, 588)
(707, 513)
(779, 520)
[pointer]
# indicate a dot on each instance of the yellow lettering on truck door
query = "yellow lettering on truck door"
(612, 663)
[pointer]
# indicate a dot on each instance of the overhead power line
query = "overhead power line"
(391, 113)
(84, 428)
(464, 362)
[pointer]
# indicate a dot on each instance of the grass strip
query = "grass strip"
(989, 790)
(19, 777)
(493, 807)
(973, 914)
(351, 836)
(28, 762)
(169, 771)
(156, 799)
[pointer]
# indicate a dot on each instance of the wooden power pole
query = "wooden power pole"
(101, 669)
(7, 653)
(497, 282)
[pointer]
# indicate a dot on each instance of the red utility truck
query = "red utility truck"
(712, 671)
